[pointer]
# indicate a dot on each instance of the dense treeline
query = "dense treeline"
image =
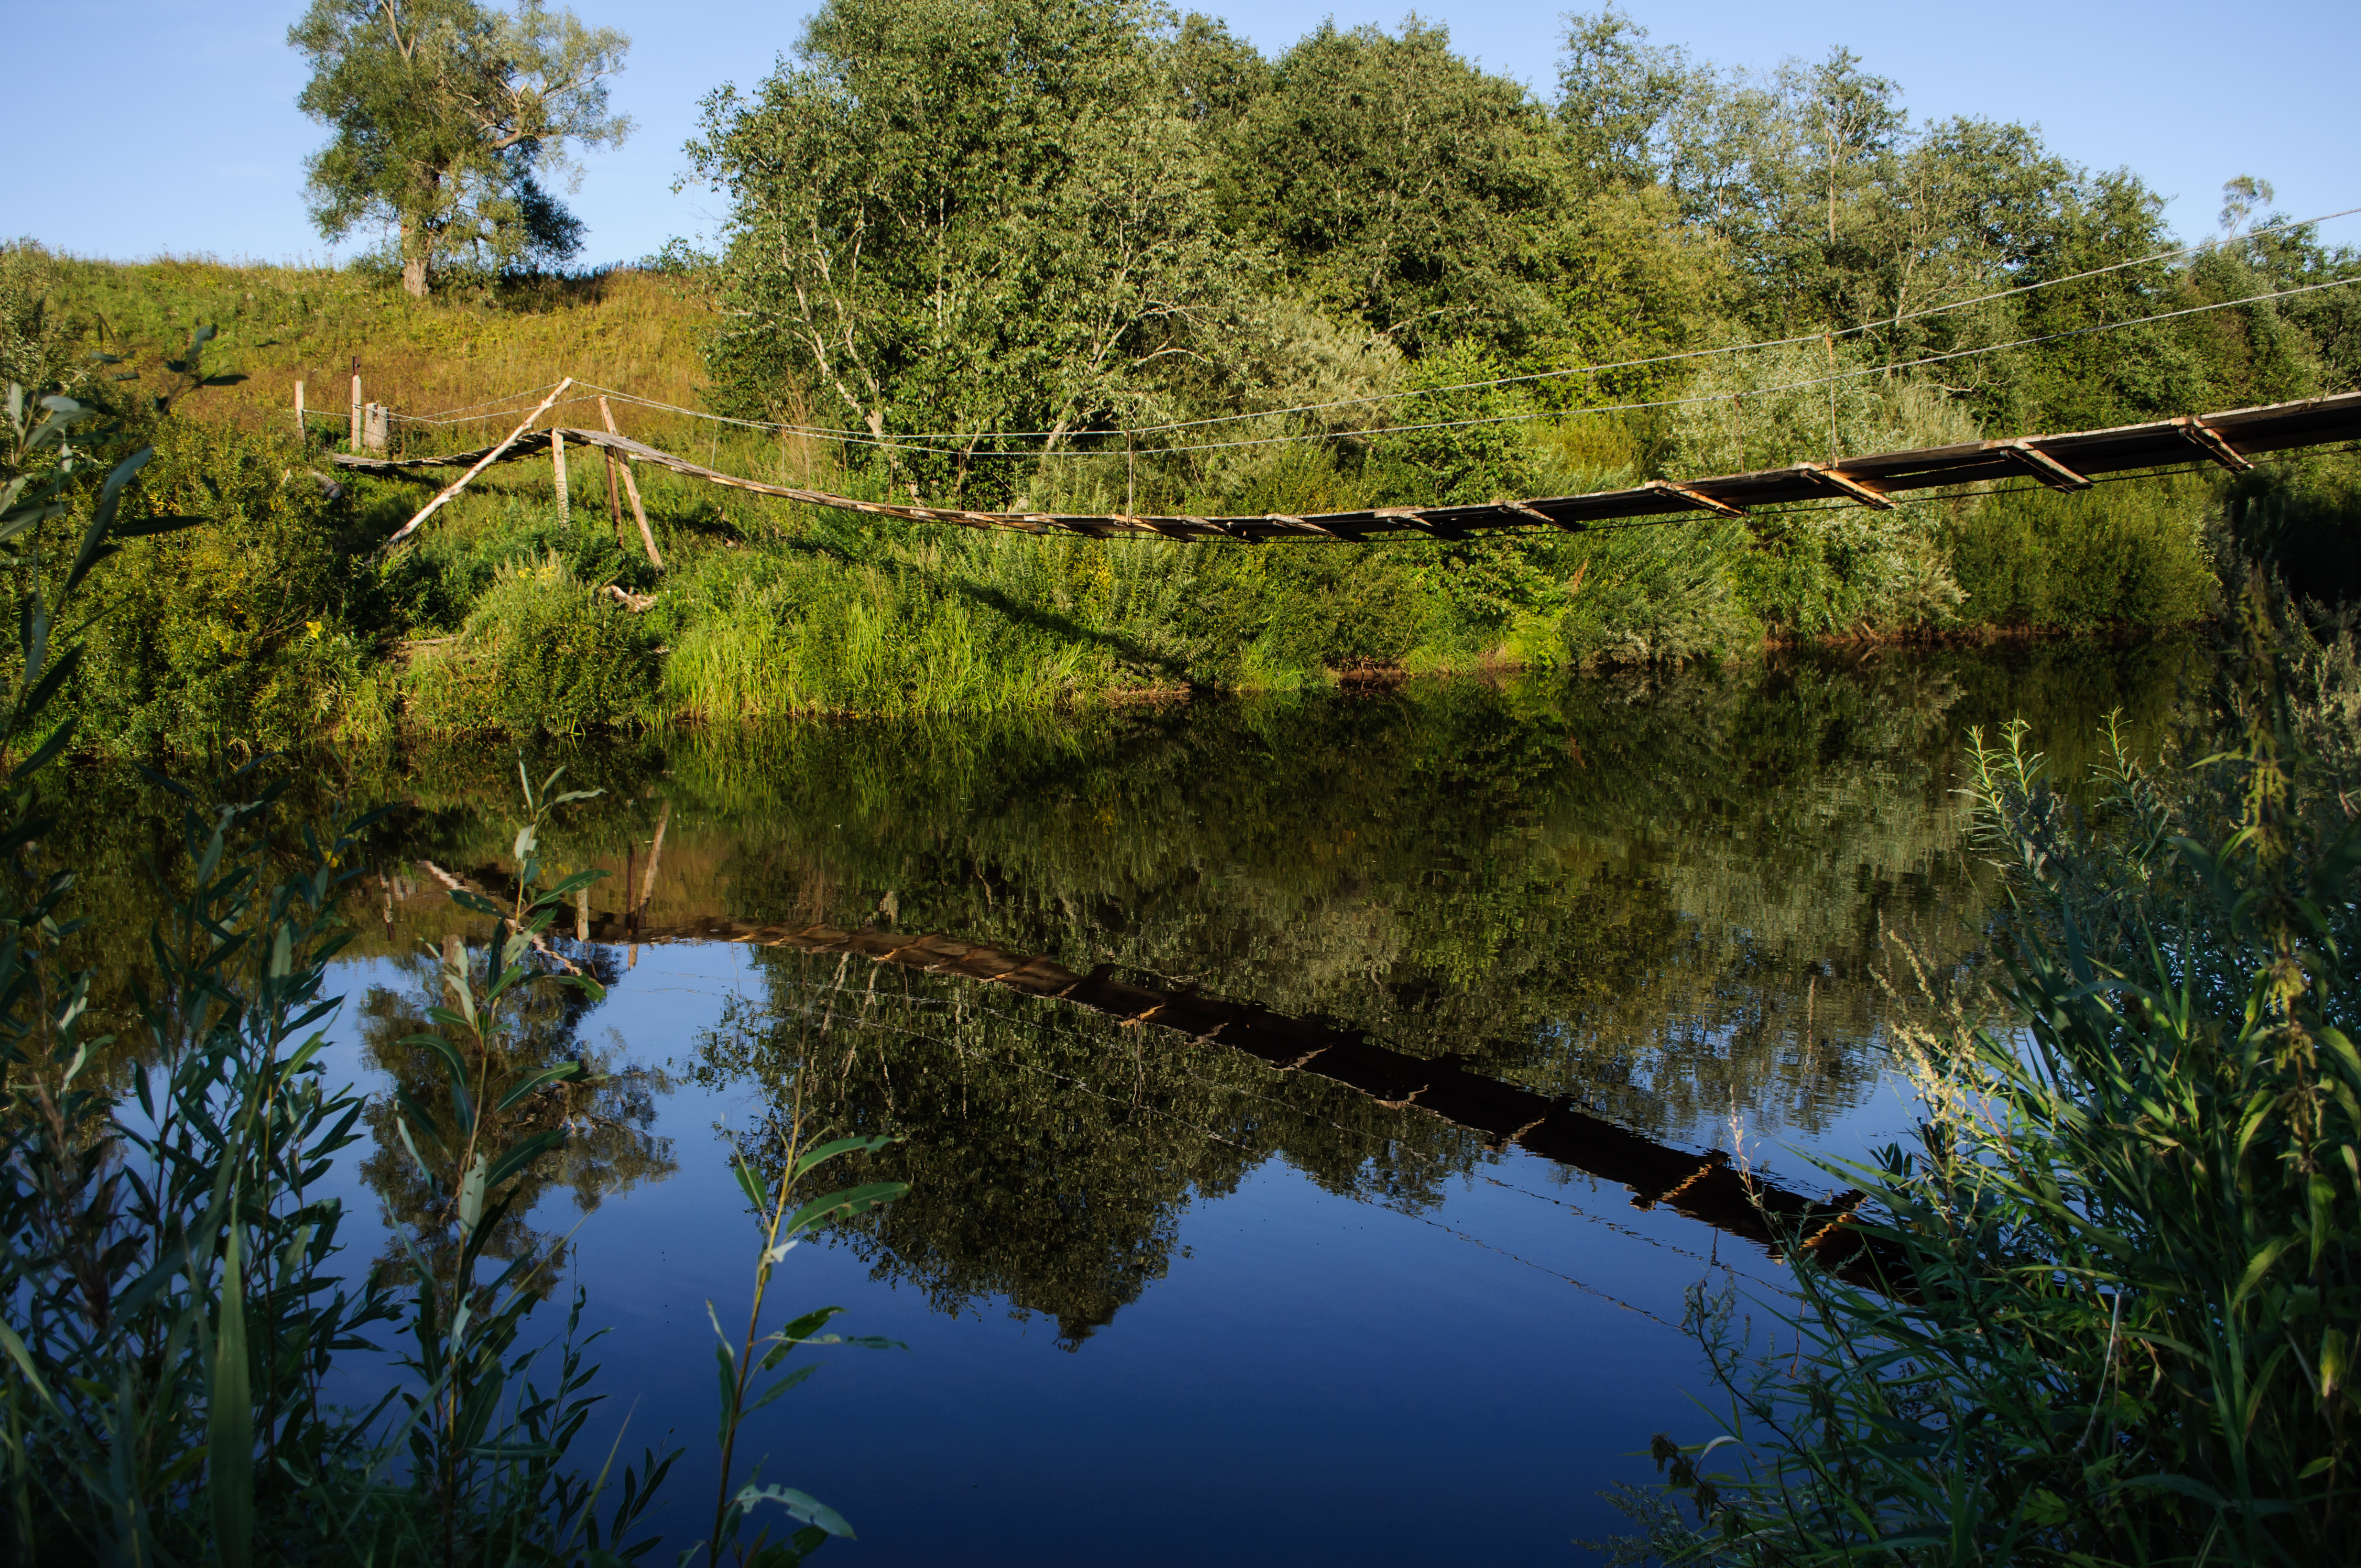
(1086, 219)
(1084, 254)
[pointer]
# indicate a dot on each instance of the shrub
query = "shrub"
(251, 626)
(2116, 556)
(2109, 1315)
(2302, 520)
(540, 653)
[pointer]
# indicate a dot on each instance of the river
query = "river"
(1161, 1294)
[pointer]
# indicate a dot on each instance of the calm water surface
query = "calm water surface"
(1163, 1300)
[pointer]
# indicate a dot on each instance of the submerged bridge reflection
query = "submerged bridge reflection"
(1705, 1187)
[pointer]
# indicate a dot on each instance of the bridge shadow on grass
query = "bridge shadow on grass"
(1127, 649)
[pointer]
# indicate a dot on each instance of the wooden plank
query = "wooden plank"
(486, 461)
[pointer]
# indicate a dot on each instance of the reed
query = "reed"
(177, 1304)
(2120, 1329)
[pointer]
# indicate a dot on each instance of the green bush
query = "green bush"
(433, 584)
(2117, 556)
(253, 626)
(542, 652)
(2302, 520)
(2106, 1312)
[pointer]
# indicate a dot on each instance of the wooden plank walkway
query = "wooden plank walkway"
(2068, 462)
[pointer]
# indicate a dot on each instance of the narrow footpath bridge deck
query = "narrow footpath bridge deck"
(2071, 462)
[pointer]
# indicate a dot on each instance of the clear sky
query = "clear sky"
(193, 100)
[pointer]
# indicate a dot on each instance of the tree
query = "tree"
(446, 117)
(1616, 96)
(970, 214)
(1402, 185)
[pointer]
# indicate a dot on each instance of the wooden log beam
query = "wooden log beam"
(632, 488)
(402, 533)
(1867, 495)
(1695, 497)
(2044, 467)
(2209, 441)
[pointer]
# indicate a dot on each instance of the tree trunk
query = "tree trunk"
(415, 239)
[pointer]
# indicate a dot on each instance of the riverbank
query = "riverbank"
(279, 623)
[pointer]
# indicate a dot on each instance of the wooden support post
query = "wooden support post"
(614, 495)
(298, 409)
(377, 428)
(557, 472)
(486, 461)
(357, 404)
(632, 488)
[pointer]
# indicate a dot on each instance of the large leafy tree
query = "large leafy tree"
(1401, 184)
(970, 214)
(447, 117)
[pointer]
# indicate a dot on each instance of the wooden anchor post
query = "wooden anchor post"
(557, 471)
(632, 488)
(614, 495)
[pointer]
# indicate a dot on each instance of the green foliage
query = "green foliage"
(2120, 555)
(1129, 263)
(445, 114)
(2298, 522)
(2110, 1318)
(541, 650)
(252, 628)
(37, 330)
(947, 216)
(1399, 185)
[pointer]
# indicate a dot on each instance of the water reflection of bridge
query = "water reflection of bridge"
(1705, 1187)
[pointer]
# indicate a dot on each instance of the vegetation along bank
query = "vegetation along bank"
(1147, 287)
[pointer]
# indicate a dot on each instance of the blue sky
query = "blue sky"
(196, 100)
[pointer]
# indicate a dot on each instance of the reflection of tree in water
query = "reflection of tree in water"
(1664, 895)
(608, 1110)
(1667, 897)
(1050, 1152)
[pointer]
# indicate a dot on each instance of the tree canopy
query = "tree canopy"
(985, 234)
(448, 119)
